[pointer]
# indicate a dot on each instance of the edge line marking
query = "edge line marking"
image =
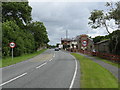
(74, 76)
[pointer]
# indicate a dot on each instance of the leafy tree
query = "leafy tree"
(39, 32)
(17, 27)
(98, 19)
(115, 42)
(98, 39)
(12, 33)
(114, 12)
(18, 11)
(9, 35)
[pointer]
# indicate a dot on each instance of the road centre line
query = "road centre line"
(13, 79)
(41, 65)
(54, 55)
(73, 79)
(50, 59)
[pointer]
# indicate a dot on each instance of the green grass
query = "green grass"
(93, 75)
(109, 62)
(8, 61)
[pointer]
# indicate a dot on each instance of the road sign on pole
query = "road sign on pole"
(84, 43)
(12, 45)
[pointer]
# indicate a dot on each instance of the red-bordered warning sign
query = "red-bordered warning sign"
(12, 44)
(84, 43)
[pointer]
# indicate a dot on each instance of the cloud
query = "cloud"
(61, 16)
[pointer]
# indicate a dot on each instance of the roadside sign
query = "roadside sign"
(12, 44)
(84, 43)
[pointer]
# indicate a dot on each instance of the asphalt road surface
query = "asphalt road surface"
(51, 69)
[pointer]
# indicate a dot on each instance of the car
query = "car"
(50, 48)
(56, 49)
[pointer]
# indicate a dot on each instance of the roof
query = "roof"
(103, 41)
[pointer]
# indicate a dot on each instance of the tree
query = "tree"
(18, 11)
(115, 42)
(17, 27)
(39, 32)
(114, 12)
(98, 39)
(13, 33)
(98, 19)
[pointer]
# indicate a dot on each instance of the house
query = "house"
(85, 43)
(69, 44)
(66, 43)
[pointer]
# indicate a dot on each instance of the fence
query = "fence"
(115, 58)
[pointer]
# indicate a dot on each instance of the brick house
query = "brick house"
(89, 43)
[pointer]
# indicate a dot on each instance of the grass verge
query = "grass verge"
(109, 62)
(93, 75)
(8, 61)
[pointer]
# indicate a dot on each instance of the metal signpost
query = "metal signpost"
(12, 45)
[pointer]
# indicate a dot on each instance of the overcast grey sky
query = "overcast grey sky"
(61, 16)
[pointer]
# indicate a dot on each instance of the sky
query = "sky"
(71, 16)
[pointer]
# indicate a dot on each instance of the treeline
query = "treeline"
(18, 27)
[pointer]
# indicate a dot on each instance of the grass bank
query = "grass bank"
(93, 75)
(8, 61)
(109, 62)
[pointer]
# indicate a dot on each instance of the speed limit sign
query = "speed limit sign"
(84, 43)
(12, 44)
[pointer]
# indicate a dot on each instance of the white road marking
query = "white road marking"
(72, 82)
(54, 55)
(13, 79)
(50, 59)
(41, 65)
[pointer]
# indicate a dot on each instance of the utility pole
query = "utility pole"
(66, 34)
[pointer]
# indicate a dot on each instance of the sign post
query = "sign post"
(12, 45)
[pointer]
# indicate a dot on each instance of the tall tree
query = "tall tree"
(17, 27)
(114, 12)
(98, 19)
(39, 32)
(18, 11)
(13, 33)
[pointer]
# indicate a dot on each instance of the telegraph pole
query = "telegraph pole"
(66, 34)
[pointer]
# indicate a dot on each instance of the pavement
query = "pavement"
(51, 69)
(113, 69)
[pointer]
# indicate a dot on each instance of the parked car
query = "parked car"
(56, 49)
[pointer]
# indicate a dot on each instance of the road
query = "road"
(51, 69)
